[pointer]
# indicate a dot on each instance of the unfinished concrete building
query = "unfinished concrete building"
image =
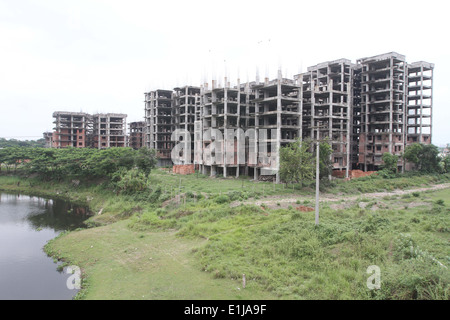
(109, 130)
(226, 109)
(159, 123)
(378, 104)
(278, 111)
(327, 108)
(420, 102)
(355, 116)
(185, 109)
(136, 139)
(71, 129)
(383, 108)
(82, 130)
(221, 109)
(48, 136)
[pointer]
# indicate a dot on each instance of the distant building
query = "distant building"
(109, 130)
(445, 151)
(48, 136)
(159, 110)
(137, 135)
(81, 130)
(71, 129)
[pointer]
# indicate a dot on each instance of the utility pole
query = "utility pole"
(317, 180)
(317, 170)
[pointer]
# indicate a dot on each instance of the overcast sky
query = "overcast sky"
(102, 55)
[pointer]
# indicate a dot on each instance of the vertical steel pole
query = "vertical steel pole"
(317, 180)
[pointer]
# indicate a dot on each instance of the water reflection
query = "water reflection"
(26, 224)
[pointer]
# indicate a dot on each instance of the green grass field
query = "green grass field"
(204, 233)
(119, 263)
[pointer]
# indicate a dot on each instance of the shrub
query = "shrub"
(374, 223)
(131, 181)
(189, 195)
(235, 195)
(222, 199)
(417, 275)
(154, 196)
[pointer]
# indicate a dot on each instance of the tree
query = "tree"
(425, 157)
(390, 163)
(412, 153)
(43, 162)
(4, 143)
(429, 158)
(78, 162)
(2, 157)
(296, 162)
(445, 164)
(325, 164)
(131, 181)
(13, 156)
(145, 160)
(105, 162)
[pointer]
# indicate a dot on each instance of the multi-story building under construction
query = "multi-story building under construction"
(326, 104)
(109, 130)
(159, 112)
(81, 130)
(378, 104)
(136, 139)
(71, 129)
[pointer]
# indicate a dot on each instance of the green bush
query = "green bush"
(222, 199)
(416, 275)
(374, 223)
(189, 195)
(131, 181)
(235, 195)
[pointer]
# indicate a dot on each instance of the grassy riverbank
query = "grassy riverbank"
(201, 234)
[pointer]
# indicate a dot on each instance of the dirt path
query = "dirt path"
(272, 201)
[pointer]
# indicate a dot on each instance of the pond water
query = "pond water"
(26, 224)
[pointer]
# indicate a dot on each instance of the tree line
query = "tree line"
(424, 158)
(298, 161)
(77, 162)
(5, 143)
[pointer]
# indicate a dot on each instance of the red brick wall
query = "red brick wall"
(183, 169)
(352, 173)
(359, 173)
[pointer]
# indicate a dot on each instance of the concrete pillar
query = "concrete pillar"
(391, 103)
(349, 126)
(225, 125)
(278, 143)
(300, 107)
(238, 124)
